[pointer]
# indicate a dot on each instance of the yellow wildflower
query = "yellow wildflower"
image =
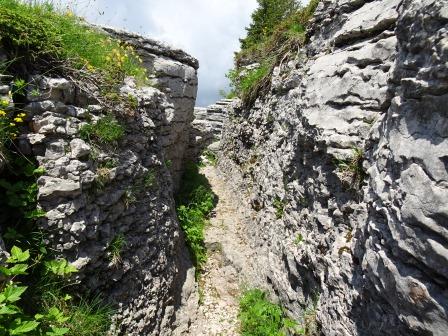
(2, 113)
(18, 120)
(21, 115)
(12, 124)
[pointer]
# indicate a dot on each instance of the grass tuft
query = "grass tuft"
(115, 248)
(352, 168)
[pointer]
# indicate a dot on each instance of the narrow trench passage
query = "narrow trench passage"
(228, 258)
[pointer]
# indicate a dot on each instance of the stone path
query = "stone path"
(228, 256)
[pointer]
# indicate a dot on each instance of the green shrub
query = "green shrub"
(195, 201)
(106, 130)
(210, 157)
(260, 317)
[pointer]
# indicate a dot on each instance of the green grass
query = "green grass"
(87, 317)
(260, 317)
(353, 168)
(34, 31)
(115, 248)
(150, 178)
(195, 201)
(275, 45)
(106, 130)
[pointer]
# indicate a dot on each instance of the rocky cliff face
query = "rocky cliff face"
(344, 166)
(99, 194)
(174, 72)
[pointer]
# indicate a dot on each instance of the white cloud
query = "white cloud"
(207, 29)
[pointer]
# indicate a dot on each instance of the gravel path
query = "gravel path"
(228, 257)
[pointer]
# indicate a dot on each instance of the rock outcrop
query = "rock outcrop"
(174, 72)
(109, 204)
(206, 128)
(344, 167)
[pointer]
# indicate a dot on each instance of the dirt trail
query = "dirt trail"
(228, 256)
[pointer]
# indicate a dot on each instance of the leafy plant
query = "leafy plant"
(13, 319)
(22, 194)
(115, 248)
(260, 317)
(19, 86)
(106, 130)
(210, 157)
(195, 202)
(279, 206)
(59, 267)
(299, 239)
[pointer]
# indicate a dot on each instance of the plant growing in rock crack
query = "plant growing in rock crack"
(150, 178)
(299, 239)
(115, 248)
(107, 130)
(352, 169)
(309, 316)
(102, 177)
(279, 206)
(129, 197)
(109, 163)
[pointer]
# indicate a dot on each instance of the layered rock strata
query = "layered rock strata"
(344, 166)
(206, 128)
(109, 204)
(174, 72)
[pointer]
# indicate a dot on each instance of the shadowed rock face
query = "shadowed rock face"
(373, 77)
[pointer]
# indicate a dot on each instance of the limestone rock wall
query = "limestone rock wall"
(370, 88)
(206, 127)
(96, 193)
(174, 72)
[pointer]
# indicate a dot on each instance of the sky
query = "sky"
(209, 30)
